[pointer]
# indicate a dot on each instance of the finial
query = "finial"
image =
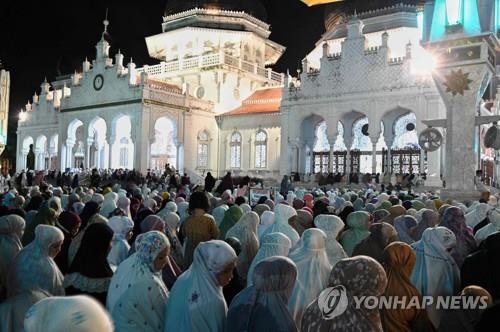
(45, 79)
(106, 22)
(355, 13)
(119, 51)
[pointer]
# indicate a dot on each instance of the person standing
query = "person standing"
(198, 227)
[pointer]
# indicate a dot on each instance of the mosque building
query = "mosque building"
(212, 102)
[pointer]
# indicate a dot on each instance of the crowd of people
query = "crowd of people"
(132, 253)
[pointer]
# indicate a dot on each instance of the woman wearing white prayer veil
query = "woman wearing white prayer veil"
(137, 295)
(170, 207)
(331, 225)
(478, 214)
(273, 244)
(263, 307)
(12, 310)
(196, 301)
(266, 220)
(245, 230)
(122, 227)
(109, 204)
(492, 227)
(123, 204)
(435, 271)
(283, 215)
(313, 269)
(11, 233)
(79, 313)
(34, 266)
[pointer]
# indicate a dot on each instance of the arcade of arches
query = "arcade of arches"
(354, 151)
(99, 144)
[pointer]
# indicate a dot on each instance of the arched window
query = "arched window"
(361, 142)
(124, 152)
(454, 11)
(321, 138)
(405, 134)
(203, 141)
(261, 149)
(235, 147)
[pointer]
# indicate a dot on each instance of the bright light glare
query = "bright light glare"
(422, 62)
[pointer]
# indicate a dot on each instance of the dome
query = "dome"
(336, 12)
(251, 7)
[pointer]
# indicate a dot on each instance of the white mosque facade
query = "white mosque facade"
(4, 106)
(212, 103)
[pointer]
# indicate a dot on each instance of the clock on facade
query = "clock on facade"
(98, 82)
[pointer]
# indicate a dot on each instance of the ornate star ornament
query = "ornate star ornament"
(457, 82)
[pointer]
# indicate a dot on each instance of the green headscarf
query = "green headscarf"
(359, 225)
(231, 217)
(45, 216)
(417, 204)
(386, 205)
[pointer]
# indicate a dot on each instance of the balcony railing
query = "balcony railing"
(204, 62)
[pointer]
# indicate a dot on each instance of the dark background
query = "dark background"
(49, 38)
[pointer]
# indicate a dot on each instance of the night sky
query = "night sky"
(50, 38)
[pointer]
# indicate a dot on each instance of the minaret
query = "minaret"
(4, 105)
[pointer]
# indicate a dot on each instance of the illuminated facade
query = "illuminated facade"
(212, 103)
(114, 115)
(359, 99)
(4, 105)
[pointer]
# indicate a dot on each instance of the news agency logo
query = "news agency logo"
(333, 302)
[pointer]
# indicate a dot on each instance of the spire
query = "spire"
(103, 46)
(105, 23)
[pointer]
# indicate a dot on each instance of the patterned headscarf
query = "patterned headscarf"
(149, 245)
(360, 276)
(139, 267)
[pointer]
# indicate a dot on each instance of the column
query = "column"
(69, 154)
(37, 161)
(110, 156)
(433, 169)
(88, 144)
(348, 164)
(178, 156)
(294, 158)
(374, 157)
(389, 142)
(99, 148)
(348, 144)
(330, 160)
(422, 161)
